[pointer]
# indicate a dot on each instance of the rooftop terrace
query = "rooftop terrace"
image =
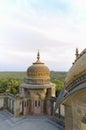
(9, 122)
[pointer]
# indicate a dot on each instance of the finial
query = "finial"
(38, 55)
(77, 53)
(38, 59)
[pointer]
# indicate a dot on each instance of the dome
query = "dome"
(38, 73)
(38, 70)
(78, 68)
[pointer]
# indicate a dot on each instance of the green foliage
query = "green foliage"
(13, 86)
(58, 78)
(10, 81)
(10, 85)
(3, 85)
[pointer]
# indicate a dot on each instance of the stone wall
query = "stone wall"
(75, 110)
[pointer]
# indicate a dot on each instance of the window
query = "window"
(37, 103)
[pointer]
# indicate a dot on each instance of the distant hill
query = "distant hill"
(55, 75)
(12, 75)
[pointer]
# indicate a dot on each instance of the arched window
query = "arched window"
(37, 103)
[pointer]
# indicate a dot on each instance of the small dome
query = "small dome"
(38, 73)
(78, 68)
(38, 70)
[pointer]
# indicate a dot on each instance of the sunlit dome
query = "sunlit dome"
(38, 73)
(78, 68)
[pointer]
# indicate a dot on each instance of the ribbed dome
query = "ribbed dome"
(78, 68)
(38, 70)
(38, 73)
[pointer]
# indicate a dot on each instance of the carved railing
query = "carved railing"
(81, 79)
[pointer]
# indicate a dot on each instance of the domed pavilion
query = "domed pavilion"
(75, 98)
(73, 94)
(37, 89)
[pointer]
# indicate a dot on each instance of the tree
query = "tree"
(13, 86)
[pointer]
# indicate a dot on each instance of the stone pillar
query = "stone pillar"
(11, 105)
(8, 103)
(42, 106)
(48, 107)
(32, 102)
(21, 107)
(68, 118)
(32, 106)
(17, 107)
(1, 102)
(75, 116)
(43, 103)
(53, 91)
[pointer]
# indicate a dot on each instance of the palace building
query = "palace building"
(34, 93)
(37, 94)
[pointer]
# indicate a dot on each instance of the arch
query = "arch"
(37, 104)
(77, 91)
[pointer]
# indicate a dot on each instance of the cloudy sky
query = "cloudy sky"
(55, 27)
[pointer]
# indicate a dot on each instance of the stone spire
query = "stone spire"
(38, 59)
(38, 55)
(77, 53)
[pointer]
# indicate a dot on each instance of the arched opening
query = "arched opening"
(37, 104)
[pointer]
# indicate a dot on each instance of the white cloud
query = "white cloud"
(24, 30)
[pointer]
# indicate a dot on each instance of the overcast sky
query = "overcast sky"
(55, 27)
